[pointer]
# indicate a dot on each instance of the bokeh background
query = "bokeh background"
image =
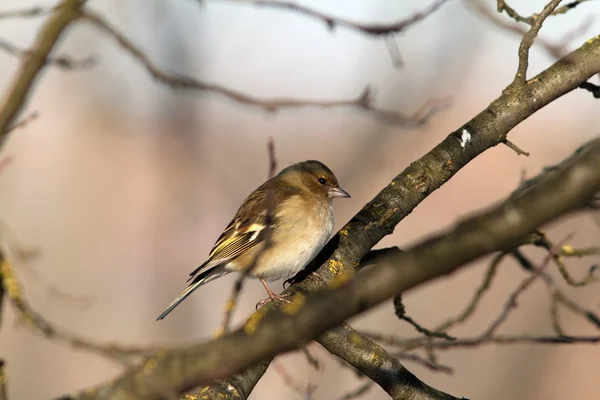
(122, 185)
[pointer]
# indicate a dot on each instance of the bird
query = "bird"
(297, 206)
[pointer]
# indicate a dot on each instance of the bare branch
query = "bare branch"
(511, 303)
(424, 362)
(528, 39)
(514, 339)
(556, 50)
(387, 372)
(306, 392)
(485, 285)
(358, 392)
(63, 62)
(28, 12)
(515, 148)
(502, 6)
(333, 22)
(400, 312)
(20, 89)
(363, 102)
(14, 293)
(568, 7)
(567, 251)
(22, 123)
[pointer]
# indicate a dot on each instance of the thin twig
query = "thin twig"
(63, 62)
(400, 312)
(511, 303)
(23, 122)
(312, 360)
(556, 295)
(270, 209)
(556, 50)
(515, 148)
(364, 101)
(306, 393)
(32, 319)
(19, 90)
(429, 364)
(527, 42)
(358, 392)
(332, 22)
(568, 251)
(568, 7)
(485, 285)
(27, 12)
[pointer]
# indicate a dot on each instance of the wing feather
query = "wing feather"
(246, 229)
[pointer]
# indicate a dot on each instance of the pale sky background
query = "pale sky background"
(123, 185)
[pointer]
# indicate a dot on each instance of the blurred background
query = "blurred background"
(122, 185)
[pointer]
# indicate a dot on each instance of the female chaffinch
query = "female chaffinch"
(301, 224)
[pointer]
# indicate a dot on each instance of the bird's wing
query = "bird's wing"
(246, 229)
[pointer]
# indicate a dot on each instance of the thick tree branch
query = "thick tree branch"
(373, 361)
(21, 88)
(236, 387)
(268, 331)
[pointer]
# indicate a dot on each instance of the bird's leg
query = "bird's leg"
(272, 295)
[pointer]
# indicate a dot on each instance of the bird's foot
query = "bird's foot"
(274, 297)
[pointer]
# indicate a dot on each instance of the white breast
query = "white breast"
(307, 237)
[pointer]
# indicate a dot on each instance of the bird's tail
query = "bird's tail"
(204, 277)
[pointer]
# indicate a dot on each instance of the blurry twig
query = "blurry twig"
(19, 89)
(14, 293)
(502, 6)
(62, 62)
(23, 122)
(425, 362)
(555, 50)
(239, 283)
(306, 393)
(557, 297)
(511, 303)
(27, 12)
(489, 276)
(568, 251)
(332, 22)
(312, 360)
(364, 101)
(358, 392)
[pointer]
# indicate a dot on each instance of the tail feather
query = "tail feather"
(198, 281)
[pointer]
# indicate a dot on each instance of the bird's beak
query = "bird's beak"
(338, 192)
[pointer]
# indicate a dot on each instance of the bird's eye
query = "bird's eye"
(322, 181)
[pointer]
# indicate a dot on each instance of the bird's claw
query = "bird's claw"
(274, 297)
